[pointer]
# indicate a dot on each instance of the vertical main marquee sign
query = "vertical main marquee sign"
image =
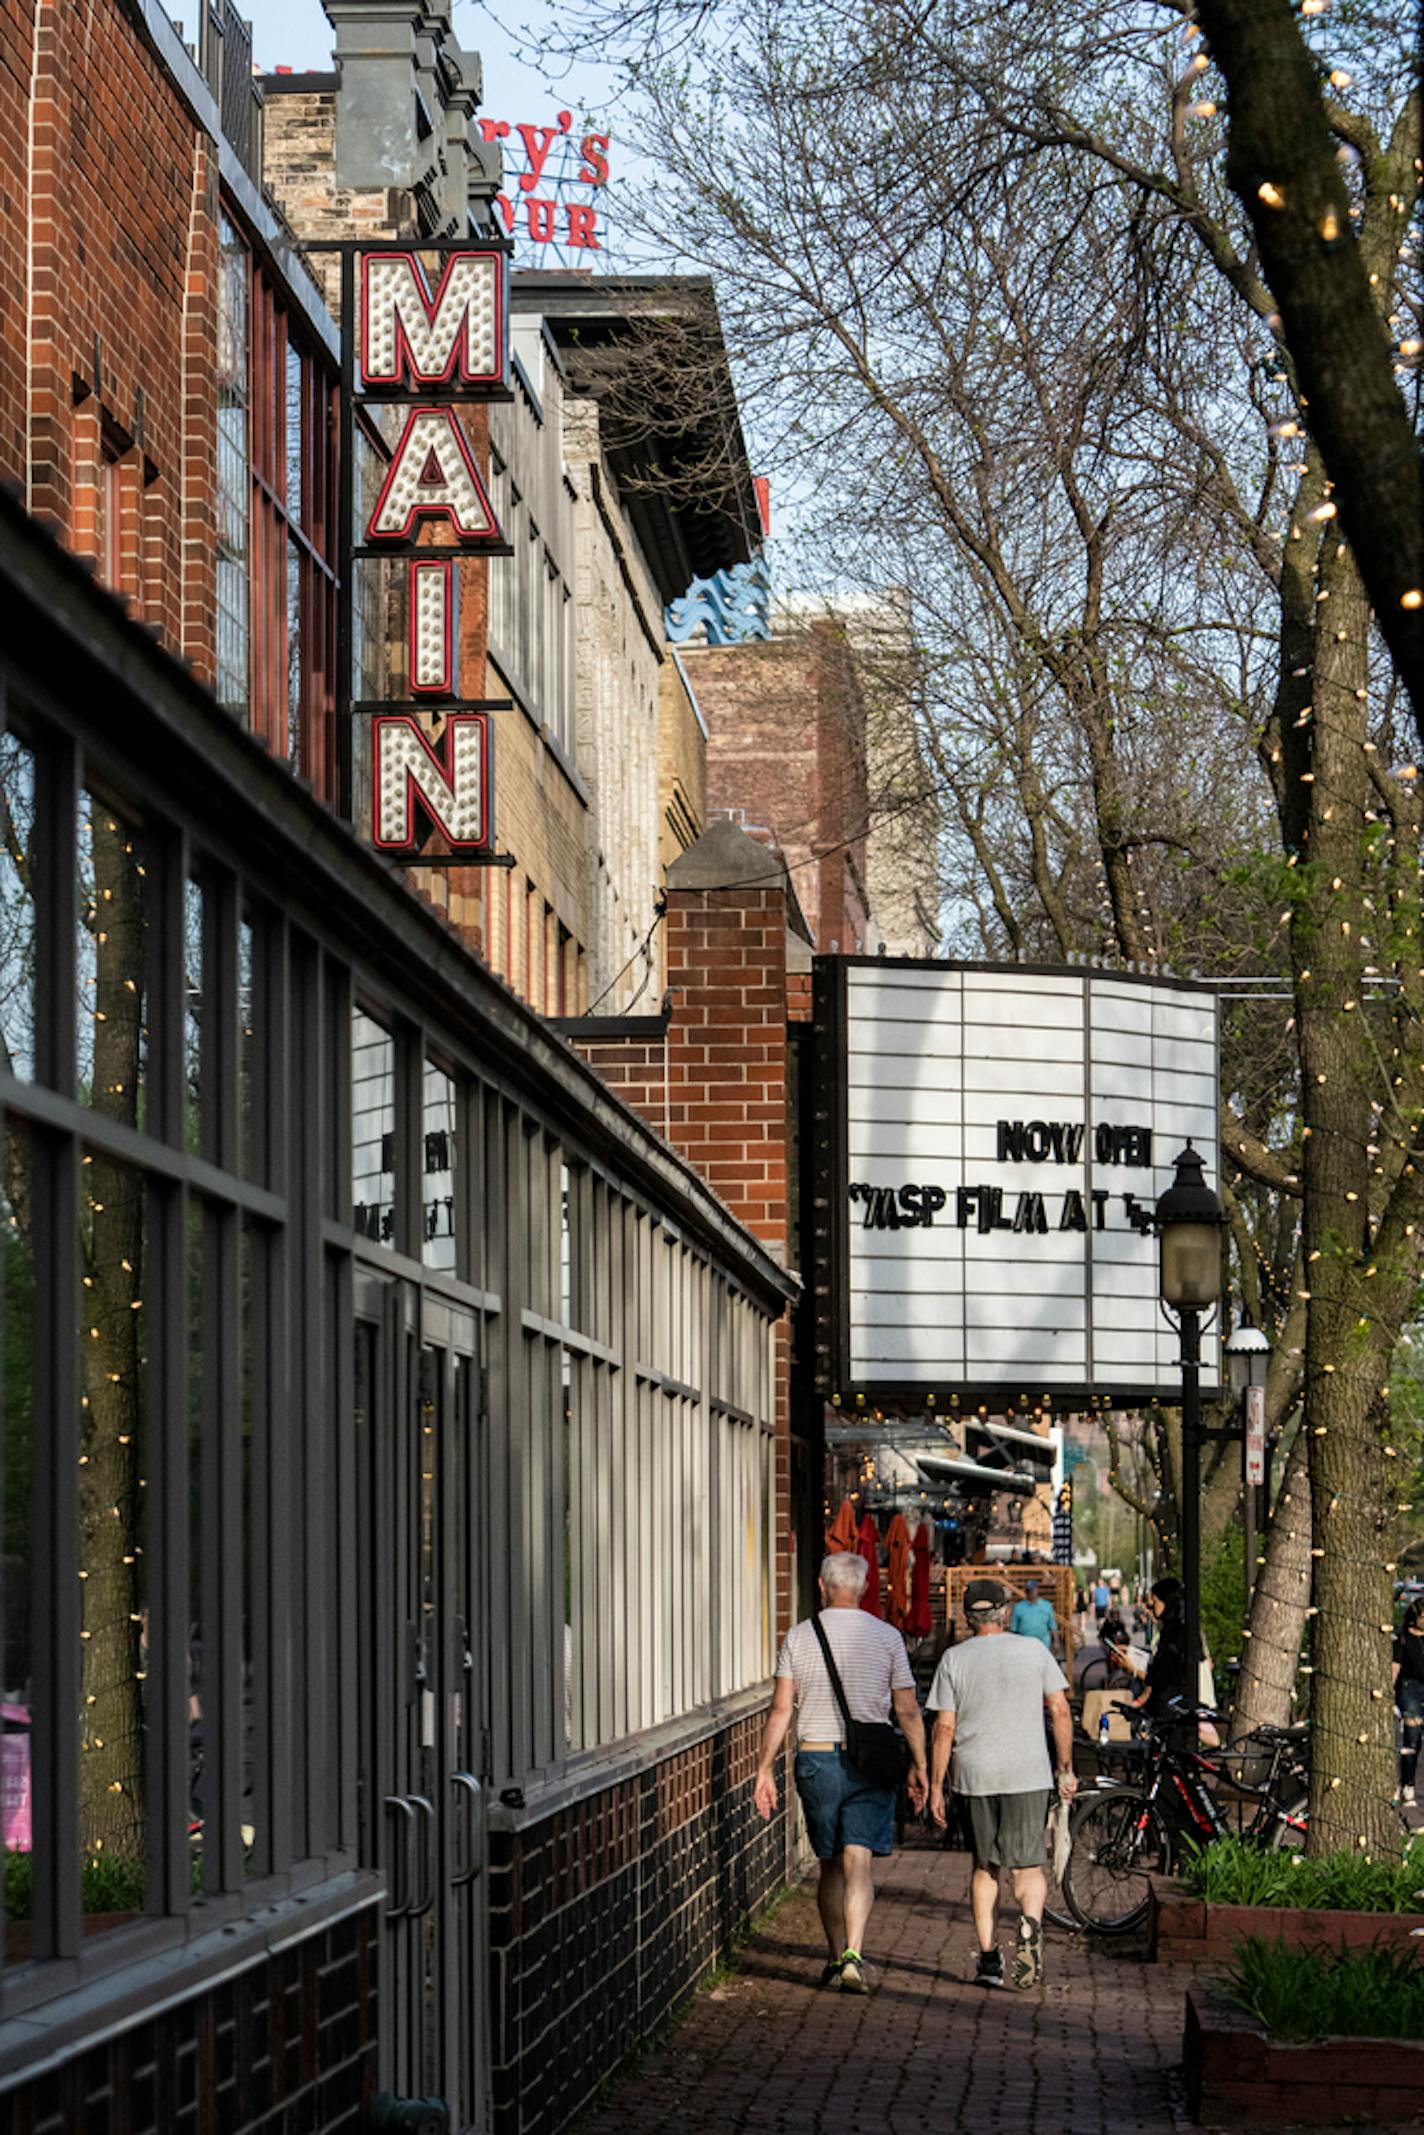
(990, 1142)
(422, 350)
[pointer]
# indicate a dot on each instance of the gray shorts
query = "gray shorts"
(1009, 1829)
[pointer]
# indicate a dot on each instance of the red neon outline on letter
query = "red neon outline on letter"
(445, 687)
(405, 371)
(441, 511)
(412, 795)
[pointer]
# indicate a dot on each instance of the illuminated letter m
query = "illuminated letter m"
(409, 337)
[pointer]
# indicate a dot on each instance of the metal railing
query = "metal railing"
(225, 60)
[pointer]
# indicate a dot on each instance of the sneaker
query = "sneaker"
(853, 1973)
(830, 1972)
(1407, 1797)
(1028, 1954)
(991, 1969)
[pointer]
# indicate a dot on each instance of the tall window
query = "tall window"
(531, 616)
(276, 521)
(234, 479)
(293, 543)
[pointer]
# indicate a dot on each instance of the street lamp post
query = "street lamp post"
(1247, 1355)
(1189, 1218)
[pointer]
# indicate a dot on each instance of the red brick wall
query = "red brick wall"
(786, 754)
(726, 1048)
(121, 229)
(637, 1071)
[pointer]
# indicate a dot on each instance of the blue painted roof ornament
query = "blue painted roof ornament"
(734, 606)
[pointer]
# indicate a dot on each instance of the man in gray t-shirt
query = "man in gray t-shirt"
(989, 1697)
(849, 1818)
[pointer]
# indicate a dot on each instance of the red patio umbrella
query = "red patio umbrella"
(897, 1547)
(842, 1535)
(870, 1550)
(921, 1622)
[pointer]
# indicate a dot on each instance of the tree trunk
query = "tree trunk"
(1282, 165)
(1347, 1352)
(1270, 1660)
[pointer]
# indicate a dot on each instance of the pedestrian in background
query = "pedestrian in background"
(989, 1698)
(849, 1820)
(1035, 1617)
(1167, 1672)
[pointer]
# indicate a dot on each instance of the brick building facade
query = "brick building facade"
(813, 744)
(448, 1593)
(599, 708)
(786, 755)
(118, 184)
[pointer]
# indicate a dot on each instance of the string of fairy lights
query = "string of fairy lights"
(1395, 1121)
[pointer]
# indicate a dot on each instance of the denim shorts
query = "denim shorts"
(840, 1808)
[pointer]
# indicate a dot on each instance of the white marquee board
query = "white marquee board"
(998, 1127)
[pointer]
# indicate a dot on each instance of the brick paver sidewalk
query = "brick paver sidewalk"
(925, 2052)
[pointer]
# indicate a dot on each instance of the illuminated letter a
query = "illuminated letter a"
(433, 475)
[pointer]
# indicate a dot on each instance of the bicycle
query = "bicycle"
(1125, 1833)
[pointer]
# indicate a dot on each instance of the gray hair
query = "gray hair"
(845, 1569)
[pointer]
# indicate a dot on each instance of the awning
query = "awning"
(947, 1473)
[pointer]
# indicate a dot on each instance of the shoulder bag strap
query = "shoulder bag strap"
(834, 1673)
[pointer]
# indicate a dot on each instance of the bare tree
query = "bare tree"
(995, 299)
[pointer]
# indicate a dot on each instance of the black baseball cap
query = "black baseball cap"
(981, 1595)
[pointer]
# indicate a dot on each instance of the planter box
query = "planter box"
(1188, 1931)
(1238, 2075)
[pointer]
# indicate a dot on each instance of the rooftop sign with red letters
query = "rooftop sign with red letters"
(552, 203)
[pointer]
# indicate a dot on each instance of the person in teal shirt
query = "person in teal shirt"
(1033, 1617)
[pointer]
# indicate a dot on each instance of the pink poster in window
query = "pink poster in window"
(15, 1779)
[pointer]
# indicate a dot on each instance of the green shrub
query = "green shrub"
(1223, 1603)
(1322, 1994)
(1229, 1873)
(108, 1884)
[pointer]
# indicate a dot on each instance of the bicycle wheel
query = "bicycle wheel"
(1119, 1843)
(1291, 1824)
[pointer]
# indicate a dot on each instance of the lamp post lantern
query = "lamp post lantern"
(1248, 1354)
(1189, 1218)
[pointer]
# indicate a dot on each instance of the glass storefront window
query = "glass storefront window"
(111, 963)
(252, 1278)
(17, 1292)
(249, 1058)
(193, 1015)
(113, 1600)
(17, 907)
(373, 1128)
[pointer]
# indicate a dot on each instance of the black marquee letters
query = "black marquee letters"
(982, 1207)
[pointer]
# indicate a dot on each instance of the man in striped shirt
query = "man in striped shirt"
(848, 1821)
